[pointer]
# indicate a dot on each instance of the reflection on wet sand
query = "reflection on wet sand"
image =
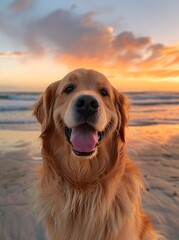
(154, 148)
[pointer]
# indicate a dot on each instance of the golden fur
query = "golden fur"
(88, 198)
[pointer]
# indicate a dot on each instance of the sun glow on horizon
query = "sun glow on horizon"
(42, 48)
(36, 75)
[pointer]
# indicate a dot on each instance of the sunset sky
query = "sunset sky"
(135, 43)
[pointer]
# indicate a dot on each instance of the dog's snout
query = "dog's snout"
(86, 104)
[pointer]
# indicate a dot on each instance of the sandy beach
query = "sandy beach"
(19, 153)
(154, 148)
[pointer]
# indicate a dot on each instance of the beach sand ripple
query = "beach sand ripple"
(154, 148)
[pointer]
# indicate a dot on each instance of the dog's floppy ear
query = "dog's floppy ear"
(38, 111)
(122, 108)
(43, 108)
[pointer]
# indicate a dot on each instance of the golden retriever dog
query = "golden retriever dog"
(88, 188)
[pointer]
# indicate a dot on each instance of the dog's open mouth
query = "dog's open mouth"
(84, 138)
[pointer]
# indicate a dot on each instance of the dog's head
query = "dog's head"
(83, 109)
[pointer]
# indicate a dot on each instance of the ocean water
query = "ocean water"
(147, 108)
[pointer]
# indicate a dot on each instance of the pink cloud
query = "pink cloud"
(78, 40)
(20, 5)
(127, 41)
(13, 54)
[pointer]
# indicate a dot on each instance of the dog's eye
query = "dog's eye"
(104, 92)
(69, 89)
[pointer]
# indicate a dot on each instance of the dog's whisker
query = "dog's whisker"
(62, 124)
(111, 125)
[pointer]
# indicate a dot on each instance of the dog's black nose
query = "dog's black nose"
(86, 105)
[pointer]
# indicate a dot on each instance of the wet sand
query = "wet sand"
(154, 148)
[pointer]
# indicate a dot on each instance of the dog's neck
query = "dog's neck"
(100, 196)
(85, 172)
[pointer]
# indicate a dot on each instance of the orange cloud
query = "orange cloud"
(162, 74)
(13, 54)
(159, 63)
(163, 62)
(81, 41)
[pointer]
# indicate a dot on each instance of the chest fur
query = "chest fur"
(83, 215)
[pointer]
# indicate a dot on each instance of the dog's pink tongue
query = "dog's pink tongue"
(84, 138)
